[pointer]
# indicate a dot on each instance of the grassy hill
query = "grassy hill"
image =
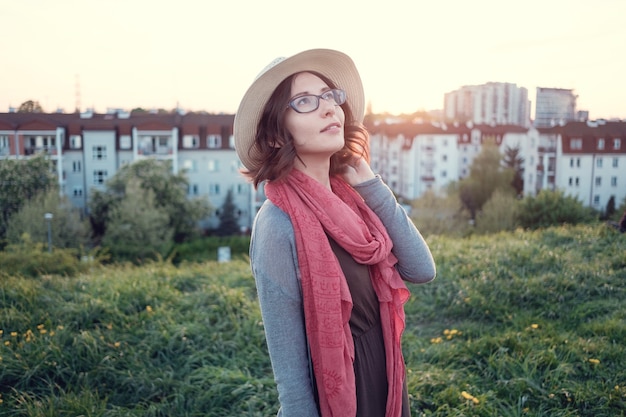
(516, 324)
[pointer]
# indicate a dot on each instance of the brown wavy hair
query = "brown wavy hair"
(275, 145)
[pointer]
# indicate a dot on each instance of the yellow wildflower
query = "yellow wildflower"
(149, 309)
(534, 326)
(13, 334)
(594, 361)
(470, 397)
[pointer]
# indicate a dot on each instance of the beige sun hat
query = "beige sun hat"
(334, 65)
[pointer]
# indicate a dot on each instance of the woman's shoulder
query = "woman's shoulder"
(271, 216)
(272, 227)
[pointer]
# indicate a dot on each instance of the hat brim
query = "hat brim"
(332, 64)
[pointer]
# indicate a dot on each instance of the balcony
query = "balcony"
(152, 150)
(33, 150)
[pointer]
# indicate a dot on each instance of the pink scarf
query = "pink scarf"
(344, 216)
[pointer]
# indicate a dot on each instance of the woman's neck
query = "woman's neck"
(320, 172)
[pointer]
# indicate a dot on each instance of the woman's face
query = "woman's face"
(319, 134)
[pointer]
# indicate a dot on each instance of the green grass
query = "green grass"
(516, 324)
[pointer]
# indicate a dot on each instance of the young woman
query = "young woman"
(330, 246)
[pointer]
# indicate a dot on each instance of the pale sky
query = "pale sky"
(203, 54)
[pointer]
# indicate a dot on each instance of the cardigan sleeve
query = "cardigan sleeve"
(274, 265)
(415, 261)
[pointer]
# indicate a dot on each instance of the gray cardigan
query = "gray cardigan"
(275, 268)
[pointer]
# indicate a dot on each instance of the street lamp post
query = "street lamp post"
(48, 217)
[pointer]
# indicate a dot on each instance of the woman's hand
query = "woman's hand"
(358, 173)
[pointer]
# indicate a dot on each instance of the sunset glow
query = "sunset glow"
(202, 55)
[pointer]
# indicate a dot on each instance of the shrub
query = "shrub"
(498, 214)
(32, 260)
(205, 249)
(553, 208)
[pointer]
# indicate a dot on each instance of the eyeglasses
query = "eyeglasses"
(311, 102)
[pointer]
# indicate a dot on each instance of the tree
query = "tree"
(138, 229)
(228, 221)
(170, 193)
(486, 175)
(20, 181)
(610, 208)
(514, 161)
(30, 106)
(67, 229)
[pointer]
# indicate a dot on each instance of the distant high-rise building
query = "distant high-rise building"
(491, 104)
(554, 107)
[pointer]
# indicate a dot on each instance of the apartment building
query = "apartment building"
(586, 160)
(87, 149)
(492, 103)
(554, 106)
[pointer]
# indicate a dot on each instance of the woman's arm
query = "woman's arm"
(275, 269)
(415, 261)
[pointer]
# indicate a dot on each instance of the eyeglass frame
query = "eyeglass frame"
(333, 91)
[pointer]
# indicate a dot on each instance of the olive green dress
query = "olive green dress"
(369, 349)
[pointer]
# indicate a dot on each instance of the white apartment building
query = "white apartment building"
(585, 160)
(88, 149)
(490, 104)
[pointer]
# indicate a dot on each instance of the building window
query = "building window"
(125, 142)
(99, 176)
(571, 162)
(445, 158)
(613, 181)
(571, 181)
(214, 141)
(596, 200)
(192, 189)
(617, 143)
(191, 141)
(76, 142)
(600, 143)
(213, 165)
(76, 166)
(598, 181)
(577, 181)
(599, 162)
(99, 153)
(578, 162)
(615, 162)
(241, 188)
(214, 189)
(78, 191)
(190, 165)
(576, 143)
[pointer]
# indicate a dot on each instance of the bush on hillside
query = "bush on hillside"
(33, 260)
(205, 249)
(498, 214)
(553, 208)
